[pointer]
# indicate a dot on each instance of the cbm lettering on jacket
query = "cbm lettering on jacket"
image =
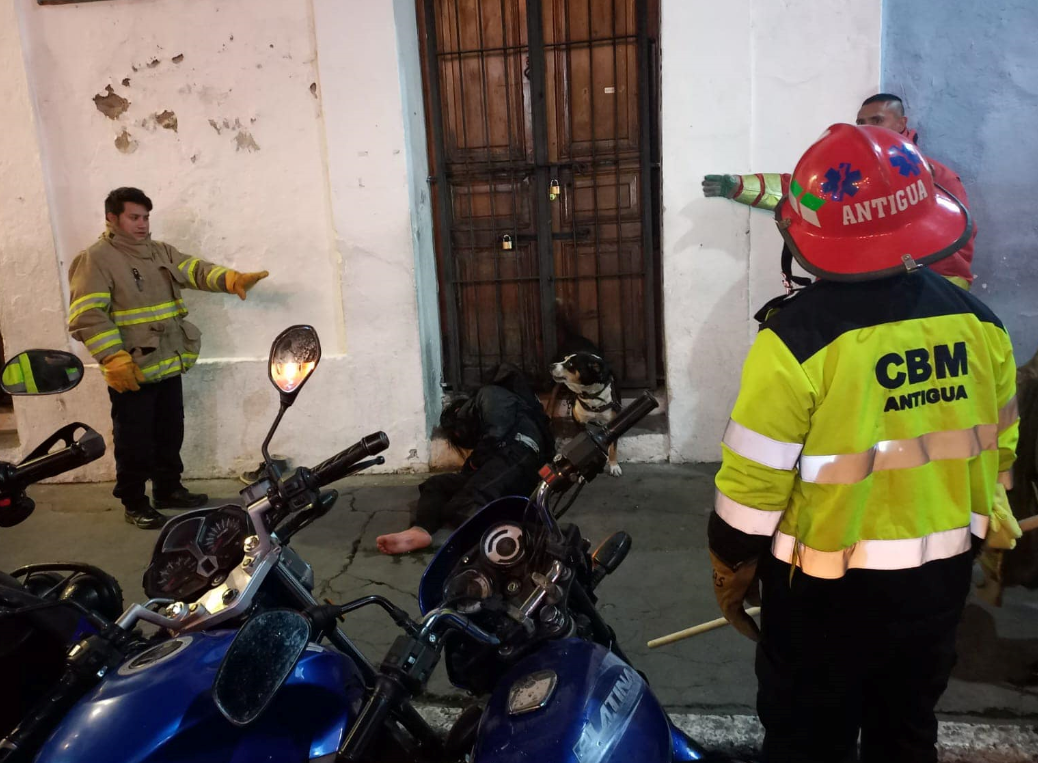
(872, 424)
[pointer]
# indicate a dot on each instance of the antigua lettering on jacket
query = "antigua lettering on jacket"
(919, 365)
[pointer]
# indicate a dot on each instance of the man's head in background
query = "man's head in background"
(884, 110)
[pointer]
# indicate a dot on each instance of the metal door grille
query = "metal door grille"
(523, 95)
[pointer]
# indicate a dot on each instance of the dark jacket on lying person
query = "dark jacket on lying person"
(507, 430)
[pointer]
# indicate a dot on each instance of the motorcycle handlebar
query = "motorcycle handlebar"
(339, 465)
(630, 416)
(88, 448)
(386, 694)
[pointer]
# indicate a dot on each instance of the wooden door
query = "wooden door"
(542, 118)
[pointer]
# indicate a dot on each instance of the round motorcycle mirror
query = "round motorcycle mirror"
(262, 656)
(293, 358)
(41, 372)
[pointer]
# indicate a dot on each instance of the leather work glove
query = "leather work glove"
(121, 373)
(1003, 529)
(239, 283)
(726, 186)
(731, 587)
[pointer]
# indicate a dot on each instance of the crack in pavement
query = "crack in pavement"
(326, 586)
(400, 591)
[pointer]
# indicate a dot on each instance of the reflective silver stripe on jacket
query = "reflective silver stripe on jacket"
(529, 442)
(761, 448)
(905, 553)
(848, 468)
(1008, 415)
(746, 518)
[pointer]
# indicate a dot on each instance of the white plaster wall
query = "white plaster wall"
(370, 204)
(32, 309)
(265, 170)
(747, 86)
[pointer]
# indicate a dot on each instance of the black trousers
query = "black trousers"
(148, 431)
(872, 651)
(455, 497)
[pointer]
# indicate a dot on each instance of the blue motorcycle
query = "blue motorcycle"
(248, 666)
(38, 618)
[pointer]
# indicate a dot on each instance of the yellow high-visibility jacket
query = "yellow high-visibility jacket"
(871, 426)
(125, 295)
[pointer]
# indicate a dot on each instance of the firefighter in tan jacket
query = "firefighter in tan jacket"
(125, 306)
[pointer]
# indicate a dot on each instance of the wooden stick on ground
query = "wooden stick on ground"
(695, 630)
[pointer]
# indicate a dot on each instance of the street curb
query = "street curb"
(742, 734)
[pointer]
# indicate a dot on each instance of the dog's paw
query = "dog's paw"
(614, 470)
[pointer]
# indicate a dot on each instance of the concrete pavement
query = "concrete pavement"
(663, 586)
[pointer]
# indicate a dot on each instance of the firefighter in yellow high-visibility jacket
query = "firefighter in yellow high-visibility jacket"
(875, 427)
(126, 308)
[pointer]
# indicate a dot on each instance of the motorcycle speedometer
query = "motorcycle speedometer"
(175, 576)
(221, 536)
(467, 587)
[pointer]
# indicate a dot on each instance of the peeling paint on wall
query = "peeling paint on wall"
(111, 105)
(126, 81)
(244, 141)
(167, 119)
(125, 142)
(178, 58)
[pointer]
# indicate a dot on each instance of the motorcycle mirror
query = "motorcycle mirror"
(293, 358)
(259, 660)
(41, 372)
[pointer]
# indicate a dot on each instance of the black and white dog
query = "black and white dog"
(586, 373)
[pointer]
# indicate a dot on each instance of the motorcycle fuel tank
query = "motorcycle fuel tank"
(158, 706)
(577, 702)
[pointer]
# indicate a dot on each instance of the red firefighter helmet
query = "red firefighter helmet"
(863, 204)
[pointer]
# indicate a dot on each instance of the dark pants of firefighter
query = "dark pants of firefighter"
(148, 432)
(455, 497)
(872, 651)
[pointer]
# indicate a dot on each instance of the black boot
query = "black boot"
(181, 499)
(144, 516)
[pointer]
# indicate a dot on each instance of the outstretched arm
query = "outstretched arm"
(761, 190)
(195, 273)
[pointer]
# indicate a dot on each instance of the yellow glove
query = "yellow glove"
(121, 373)
(731, 587)
(1003, 529)
(239, 283)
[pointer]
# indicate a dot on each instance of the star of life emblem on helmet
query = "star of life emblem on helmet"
(906, 162)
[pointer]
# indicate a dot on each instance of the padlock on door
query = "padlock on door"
(554, 190)
(506, 243)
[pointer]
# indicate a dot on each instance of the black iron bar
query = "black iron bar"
(452, 368)
(575, 277)
(571, 190)
(467, 154)
(594, 174)
(648, 219)
(624, 305)
(547, 46)
(514, 231)
(542, 212)
(498, 318)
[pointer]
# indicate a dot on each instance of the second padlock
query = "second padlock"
(506, 243)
